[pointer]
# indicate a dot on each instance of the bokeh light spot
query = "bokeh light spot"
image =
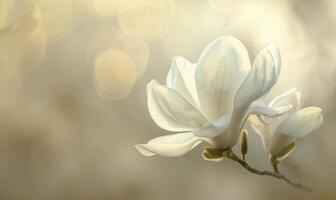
(115, 74)
(108, 39)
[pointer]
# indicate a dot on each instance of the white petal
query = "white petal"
(215, 128)
(261, 109)
(219, 73)
(242, 53)
(278, 142)
(171, 111)
(291, 97)
(276, 56)
(255, 125)
(181, 78)
(265, 120)
(259, 81)
(302, 123)
(143, 150)
(170, 145)
(266, 113)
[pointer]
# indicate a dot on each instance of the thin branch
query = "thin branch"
(244, 164)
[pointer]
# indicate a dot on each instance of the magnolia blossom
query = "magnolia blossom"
(279, 132)
(210, 100)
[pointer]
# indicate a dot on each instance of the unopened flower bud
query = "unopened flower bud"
(244, 144)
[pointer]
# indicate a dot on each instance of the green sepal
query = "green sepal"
(213, 154)
(274, 161)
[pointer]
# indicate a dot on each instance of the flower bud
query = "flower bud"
(244, 144)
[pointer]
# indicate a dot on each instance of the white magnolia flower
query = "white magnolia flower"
(210, 100)
(279, 132)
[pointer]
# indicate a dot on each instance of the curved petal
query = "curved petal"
(294, 127)
(260, 80)
(291, 97)
(170, 145)
(276, 57)
(264, 120)
(181, 78)
(242, 53)
(302, 123)
(255, 125)
(170, 110)
(221, 69)
(263, 75)
(278, 142)
(215, 128)
(267, 114)
(257, 108)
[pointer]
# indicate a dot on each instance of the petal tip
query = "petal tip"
(274, 51)
(144, 151)
(294, 90)
(272, 47)
(150, 84)
(230, 37)
(313, 110)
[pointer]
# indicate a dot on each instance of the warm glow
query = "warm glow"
(148, 23)
(115, 74)
(73, 97)
(56, 16)
(114, 7)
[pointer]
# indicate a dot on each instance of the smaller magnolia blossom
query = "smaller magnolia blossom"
(210, 100)
(279, 134)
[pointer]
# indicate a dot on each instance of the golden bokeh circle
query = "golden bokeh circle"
(106, 39)
(115, 74)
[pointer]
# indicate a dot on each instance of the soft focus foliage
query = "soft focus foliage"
(62, 137)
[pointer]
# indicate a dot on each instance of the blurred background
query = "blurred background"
(73, 103)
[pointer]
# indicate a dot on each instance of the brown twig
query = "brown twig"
(231, 155)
